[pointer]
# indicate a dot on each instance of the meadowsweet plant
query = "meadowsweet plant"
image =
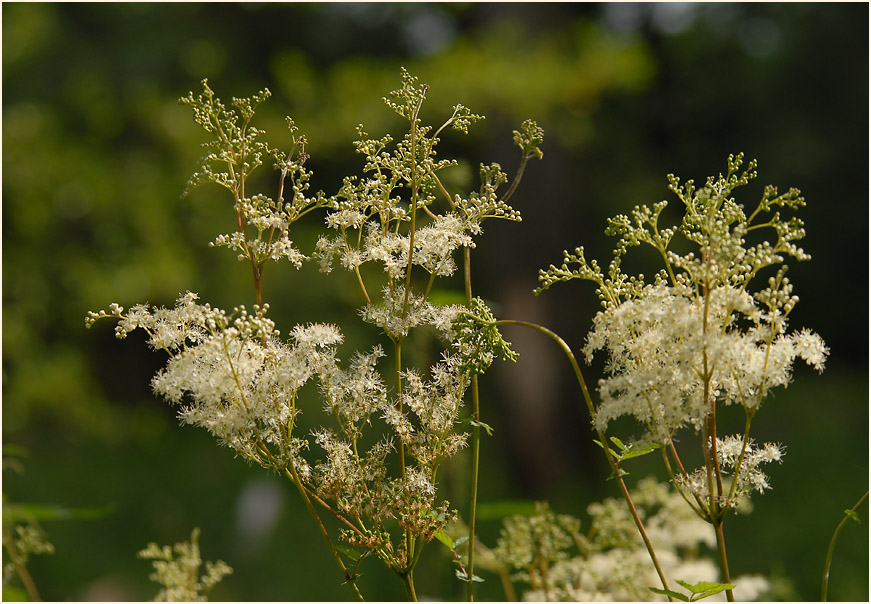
(709, 330)
(387, 427)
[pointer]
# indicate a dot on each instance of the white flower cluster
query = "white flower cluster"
(356, 483)
(242, 385)
(436, 403)
(697, 335)
(352, 395)
(232, 374)
(742, 464)
(169, 329)
(669, 348)
(398, 313)
(433, 247)
(358, 480)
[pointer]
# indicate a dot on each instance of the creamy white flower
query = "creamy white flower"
(663, 344)
(345, 219)
(397, 319)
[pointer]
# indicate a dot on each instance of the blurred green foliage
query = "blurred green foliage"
(96, 152)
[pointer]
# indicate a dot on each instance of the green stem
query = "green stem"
(408, 583)
(357, 270)
(415, 186)
(737, 472)
(831, 551)
(517, 178)
(397, 344)
(476, 440)
(615, 468)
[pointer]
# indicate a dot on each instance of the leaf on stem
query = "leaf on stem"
(442, 536)
(487, 428)
(465, 577)
(699, 591)
(348, 551)
(629, 451)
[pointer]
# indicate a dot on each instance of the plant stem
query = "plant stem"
(408, 582)
(517, 178)
(831, 551)
(724, 560)
(615, 468)
(747, 421)
(698, 510)
(397, 345)
(476, 438)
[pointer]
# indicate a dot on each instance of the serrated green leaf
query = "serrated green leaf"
(637, 451)
(705, 589)
(618, 442)
(442, 536)
(348, 551)
(628, 451)
(668, 592)
(718, 589)
(701, 586)
(460, 541)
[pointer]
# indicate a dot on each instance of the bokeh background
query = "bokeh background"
(96, 151)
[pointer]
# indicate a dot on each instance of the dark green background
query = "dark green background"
(96, 151)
